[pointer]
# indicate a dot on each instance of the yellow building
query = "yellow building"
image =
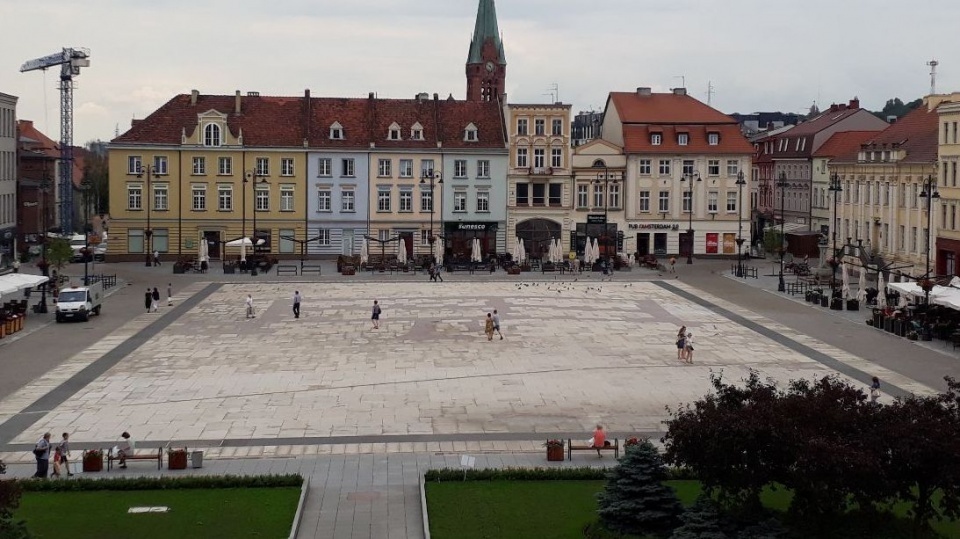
(948, 233)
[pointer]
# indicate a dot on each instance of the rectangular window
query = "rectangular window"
(683, 139)
(406, 168)
(199, 166)
(555, 194)
(558, 126)
(460, 168)
(539, 126)
(656, 139)
(225, 197)
(556, 157)
(731, 201)
(161, 240)
(384, 235)
(406, 200)
(323, 200)
(263, 166)
(644, 201)
(539, 194)
(583, 195)
(712, 202)
(347, 201)
(160, 197)
(134, 197)
(383, 199)
(644, 167)
(733, 167)
(538, 157)
(664, 167)
(426, 199)
(483, 201)
(286, 198)
(199, 197)
(713, 139)
(348, 168)
(262, 199)
(426, 168)
(614, 195)
(522, 158)
(460, 201)
(133, 164)
(483, 169)
(383, 168)
(664, 202)
(323, 167)
(713, 167)
(286, 166)
(159, 165)
(287, 245)
(688, 166)
(523, 194)
(521, 126)
(913, 238)
(135, 240)
(323, 237)
(598, 195)
(225, 166)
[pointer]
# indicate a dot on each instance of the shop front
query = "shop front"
(661, 239)
(609, 237)
(459, 236)
(536, 235)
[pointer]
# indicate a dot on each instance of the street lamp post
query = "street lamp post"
(253, 178)
(929, 192)
(740, 183)
(606, 181)
(782, 184)
(435, 179)
(45, 270)
(690, 178)
(836, 188)
(85, 188)
(149, 231)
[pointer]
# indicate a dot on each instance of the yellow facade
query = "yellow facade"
(948, 231)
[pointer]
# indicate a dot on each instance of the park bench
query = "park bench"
(615, 447)
(310, 269)
(158, 456)
(286, 269)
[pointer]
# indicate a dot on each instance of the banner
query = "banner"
(712, 243)
(729, 243)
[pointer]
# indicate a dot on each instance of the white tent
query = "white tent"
(862, 285)
(845, 275)
(364, 252)
(401, 252)
(243, 242)
(882, 295)
(12, 283)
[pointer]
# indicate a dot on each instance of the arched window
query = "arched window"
(599, 163)
(211, 135)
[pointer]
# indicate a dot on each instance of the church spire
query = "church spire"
(486, 29)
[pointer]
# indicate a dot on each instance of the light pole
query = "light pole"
(435, 179)
(782, 184)
(45, 270)
(836, 188)
(690, 178)
(150, 200)
(253, 178)
(929, 192)
(740, 183)
(606, 181)
(85, 189)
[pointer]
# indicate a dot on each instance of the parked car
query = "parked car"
(77, 243)
(100, 252)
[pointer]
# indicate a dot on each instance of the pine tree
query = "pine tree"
(702, 521)
(635, 500)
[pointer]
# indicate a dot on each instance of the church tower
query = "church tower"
(486, 63)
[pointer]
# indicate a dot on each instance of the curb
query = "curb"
(295, 525)
(423, 504)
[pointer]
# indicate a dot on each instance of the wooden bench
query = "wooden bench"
(286, 270)
(615, 447)
(158, 456)
(310, 269)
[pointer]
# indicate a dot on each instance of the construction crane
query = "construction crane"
(70, 61)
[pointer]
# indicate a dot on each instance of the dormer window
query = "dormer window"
(416, 132)
(211, 135)
(470, 133)
(713, 139)
(394, 132)
(336, 131)
(683, 139)
(656, 139)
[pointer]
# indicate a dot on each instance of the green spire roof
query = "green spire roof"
(486, 28)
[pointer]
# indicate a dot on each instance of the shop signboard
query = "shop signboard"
(596, 219)
(729, 243)
(713, 241)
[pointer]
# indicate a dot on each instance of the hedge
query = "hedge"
(583, 473)
(162, 483)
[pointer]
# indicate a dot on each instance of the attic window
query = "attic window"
(211, 135)
(683, 139)
(656, 139)
(470, 133)
(336, 131)
(713, 139)
(416, 132)
(394, 132)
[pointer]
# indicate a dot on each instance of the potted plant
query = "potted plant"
(554, 450)
(631, 441)
(177, 459)
(912, 335)
(92, 460)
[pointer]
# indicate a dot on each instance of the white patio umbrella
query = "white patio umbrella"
(364, 252)
(243, 252)
(477, 254)
(882, 295)
(438, 251)
(862, 285)
(596, 250)
(552, 252)
(401, 252)
(586, 251)
(845, 274)
(558, 250)
(515, 251)
(523, 252)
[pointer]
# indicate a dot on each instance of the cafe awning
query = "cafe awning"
(12, 283)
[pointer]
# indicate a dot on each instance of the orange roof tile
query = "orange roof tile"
(842, 143)
(666, 108)
(636, 138)
(916, 132)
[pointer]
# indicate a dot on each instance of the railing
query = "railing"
(109, 281)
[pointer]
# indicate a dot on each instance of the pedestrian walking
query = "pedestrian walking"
(875, 390)
(496, 323)
(169, 294)
(375, 315)
(148, 299)
(673, 264)
(64, 447)
(42, 453)
(688, 347)
(156, 257)
(16, 265)
(249, 304)
(155, 300)
(681, 343)
(296, 303)
(488, 327)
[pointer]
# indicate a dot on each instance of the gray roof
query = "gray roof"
(486, 28)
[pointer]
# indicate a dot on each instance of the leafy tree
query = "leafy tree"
(59, 253)
(96, 177)
(9, 500)
(896, 107)
(773, 240)
(702, 521)
(635, 500)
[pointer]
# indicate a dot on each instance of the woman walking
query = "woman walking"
(375, 315)
(875, 390)
(488, 327)
(155, 297)
(64, 448)
(688, 347)
(681, 343)
(148, 299)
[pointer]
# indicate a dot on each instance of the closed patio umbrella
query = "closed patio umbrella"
(401, 252)
(862, 285)
(845, 274)
(596, 250)
(882, 287)
(364, 251)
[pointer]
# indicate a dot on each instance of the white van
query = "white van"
(77, 302)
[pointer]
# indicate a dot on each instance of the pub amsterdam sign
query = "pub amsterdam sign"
(653, 226)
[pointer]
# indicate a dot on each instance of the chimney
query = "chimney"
(644, 91)
(679, 91)
(855, 103)
(436, 96)
(834, 107)
(370, 96)
(892, 119)
(307, 110)
(194, 94)
(422, 96)
(236, 103)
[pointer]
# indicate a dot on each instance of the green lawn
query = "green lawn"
(201, 513)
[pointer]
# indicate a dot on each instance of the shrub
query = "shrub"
(702, 521)
(164, 483)
(635, 500)
(9, 500)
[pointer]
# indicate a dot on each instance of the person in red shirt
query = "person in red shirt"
(599, 439)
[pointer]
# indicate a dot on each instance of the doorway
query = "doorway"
(407, 239)
(347, 248)
(212, 237)
(643, 244)
(686, 244)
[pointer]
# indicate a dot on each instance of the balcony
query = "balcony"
(540, 171)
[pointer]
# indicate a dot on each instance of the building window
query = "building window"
(683, 139)
(406, 200)
(664, 167)
(424, 237)
(225, 166)
(598, 195)
(523, 194)
(161, 240)
(539, 126)
(470, 134)
(262, 198)
(323, 237)
(583, 195)
(644, 167)
(733, 167)
(286, 197)
(225, 197)
(521, 126)
(687, 166)
(522, 158)
(644, 201)
(336, 132)
(614, 198)
(211, 135)
(134, 197)
(347, 201)
(556, 157)
(460, 201)
(406, 168)
(133, 164)
(323, 200)
(383, 199)
(394, 133)
(159, 165)
(383, 168)
(135, 241)
(160, 197)
(555, 195)
(687, 201)
(656, 139)
(263, 166)
(199, 197)
(384, 235)
(286, 166)
(712, 202)
(286, 240)
(714, 138)
(731, 201)
(323, 167)
(713, 167)
(557, 126)
(483, 169)
(426, 168)
(416, 132)
(199, 166)
(348, 168)
(664, 202)
(483, 201)
(460, 168)
(426, 200)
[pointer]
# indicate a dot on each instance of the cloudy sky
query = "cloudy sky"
(758, 54)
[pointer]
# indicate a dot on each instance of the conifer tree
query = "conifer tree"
(635, 500)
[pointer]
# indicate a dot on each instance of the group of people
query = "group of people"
(61, 455)
(685, 345)
(151, 299)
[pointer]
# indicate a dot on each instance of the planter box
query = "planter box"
(513, 270)
(92, 464)
(177, 460)
(824, 301)
(229, 269)
(836, 304)
(853, 305)
(177, 269)
(348, 270)
(555, 454)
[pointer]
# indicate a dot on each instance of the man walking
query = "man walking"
(155, 303)
(375, 316)
(296, 304)
(496, 323)
(42, 452)
(65, 453)
(156, 257)
(250, 306)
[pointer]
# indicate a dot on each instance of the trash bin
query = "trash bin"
(196, 459)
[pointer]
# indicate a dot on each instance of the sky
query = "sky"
(759, 55)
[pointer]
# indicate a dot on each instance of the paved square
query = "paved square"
(575, 354)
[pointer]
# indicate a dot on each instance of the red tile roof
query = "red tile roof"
(33, 140)
(916, 132)
(636, 138)
(842, 143)
(666, 108)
